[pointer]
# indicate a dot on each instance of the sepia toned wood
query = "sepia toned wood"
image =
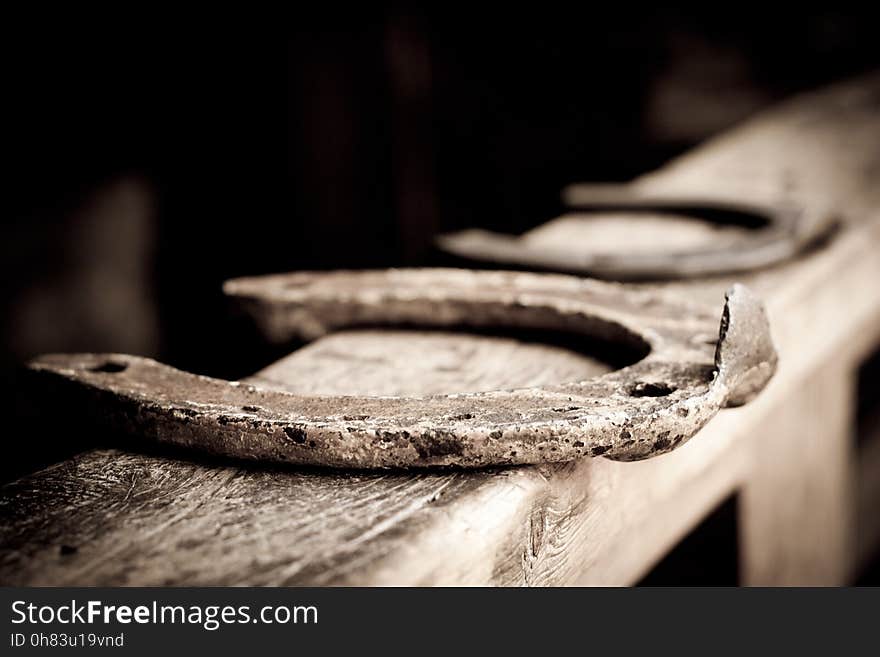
(418, 362)
(798, 506)
(115, 517)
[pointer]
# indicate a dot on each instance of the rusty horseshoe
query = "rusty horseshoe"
(690, 371)
(780, 231)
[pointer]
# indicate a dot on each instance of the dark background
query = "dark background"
(144, 168)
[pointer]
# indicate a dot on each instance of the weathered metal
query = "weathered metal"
(689, 371)
(769, 233)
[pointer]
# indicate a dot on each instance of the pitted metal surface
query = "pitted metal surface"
(690, 371)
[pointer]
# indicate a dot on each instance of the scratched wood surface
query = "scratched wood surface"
(115, 517)
(114, 513)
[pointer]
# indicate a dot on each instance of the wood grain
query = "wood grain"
(676, 378)
(395, 362)
(109, 517)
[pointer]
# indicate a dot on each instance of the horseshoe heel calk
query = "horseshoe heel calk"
(635, 412)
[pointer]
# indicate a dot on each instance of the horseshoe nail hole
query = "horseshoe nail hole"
(647, 389)
(109, 367)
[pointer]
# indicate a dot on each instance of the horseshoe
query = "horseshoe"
(645, 409)
(780, 232)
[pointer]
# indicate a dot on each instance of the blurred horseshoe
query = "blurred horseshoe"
(779, 232)
(642, 410)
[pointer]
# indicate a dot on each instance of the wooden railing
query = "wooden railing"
(807, 515)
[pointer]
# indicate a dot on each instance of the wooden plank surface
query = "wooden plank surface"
(114, 517)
